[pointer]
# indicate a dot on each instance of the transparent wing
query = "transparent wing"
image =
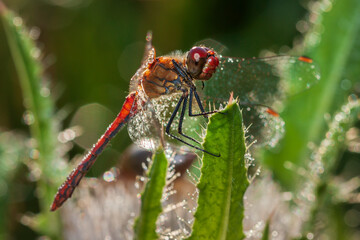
(146, 127)
(259, 83)
(261, 80)
(262, 128)
(218, 47)
(149, 56)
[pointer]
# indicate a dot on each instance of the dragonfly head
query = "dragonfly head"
(201, 62)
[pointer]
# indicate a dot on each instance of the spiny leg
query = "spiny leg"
(168, 126)
(182, 115)
(203, 113)
(188, 80)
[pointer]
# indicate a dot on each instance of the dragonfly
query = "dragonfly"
(189, 80)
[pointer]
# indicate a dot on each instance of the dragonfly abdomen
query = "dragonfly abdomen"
(67, 188)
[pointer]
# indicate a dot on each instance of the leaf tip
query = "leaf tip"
(231, 99)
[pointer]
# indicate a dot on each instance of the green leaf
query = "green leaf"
(145, 224)
(266, 232)
(223, 179)
(333, 43)
(39, 115)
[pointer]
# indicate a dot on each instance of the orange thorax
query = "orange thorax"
(161, 77)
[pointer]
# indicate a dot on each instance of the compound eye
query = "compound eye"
(197, 53)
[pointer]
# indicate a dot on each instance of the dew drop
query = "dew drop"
(67, 135)
(34, 33)
(17, 21)
(28, 117)
(339, 117)
(327, 6)
(329, 134)
(345, 84)
(34, 154)
(310, 236)
(352, 98)
(108, 176)
(35, 52)
(302, 26)
(45, 92)
(274, 233)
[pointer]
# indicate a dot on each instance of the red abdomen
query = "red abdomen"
(67, 188)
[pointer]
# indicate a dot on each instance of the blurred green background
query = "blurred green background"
(93, 47)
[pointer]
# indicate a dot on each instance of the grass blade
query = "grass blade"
(40, 113)
(145, 224)
(266, 232)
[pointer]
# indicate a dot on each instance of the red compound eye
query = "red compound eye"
(213, 61)
(196, 53)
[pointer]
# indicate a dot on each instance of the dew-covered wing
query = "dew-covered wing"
(149, 56)
(261, 80)
(258, 83)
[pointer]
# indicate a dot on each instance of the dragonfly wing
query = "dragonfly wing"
(67, 188)
(262, 127)
(261, 80)
(146, 128)
(258, 83)
(149, 56)
(218, 47)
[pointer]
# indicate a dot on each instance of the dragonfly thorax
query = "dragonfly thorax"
(162, 78)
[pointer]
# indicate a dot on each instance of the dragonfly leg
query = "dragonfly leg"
(182, 114)
(203, 113)
(188, 79)
(168, 126)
